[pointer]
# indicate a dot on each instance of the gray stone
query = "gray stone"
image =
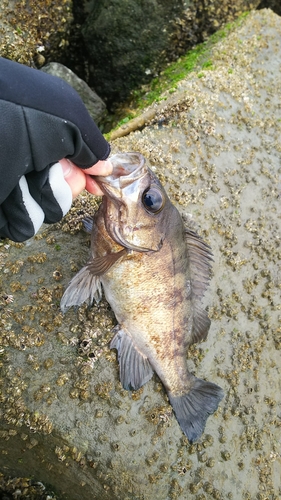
(65, 419)
(92, 101)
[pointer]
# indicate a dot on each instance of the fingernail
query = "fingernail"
(109, 166)
(67, 167)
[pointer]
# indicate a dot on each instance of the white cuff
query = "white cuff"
(35, 212)
(61, 189)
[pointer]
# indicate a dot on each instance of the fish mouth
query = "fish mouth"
(123, 189)
(127, 168)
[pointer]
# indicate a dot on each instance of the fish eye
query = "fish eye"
(153, 200)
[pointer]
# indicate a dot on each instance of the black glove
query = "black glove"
(38, 197)
(42, 120)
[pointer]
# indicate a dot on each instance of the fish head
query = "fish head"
(135, 204)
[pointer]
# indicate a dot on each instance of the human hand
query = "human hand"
(47, 195)
(43, 120)
(79, 179)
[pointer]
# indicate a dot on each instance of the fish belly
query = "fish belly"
(150, 296)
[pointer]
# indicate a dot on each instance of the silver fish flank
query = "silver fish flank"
(154, 273)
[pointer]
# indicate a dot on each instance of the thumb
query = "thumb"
(74, 176)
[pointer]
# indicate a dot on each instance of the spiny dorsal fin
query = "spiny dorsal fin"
(200, 258)
(201, 324)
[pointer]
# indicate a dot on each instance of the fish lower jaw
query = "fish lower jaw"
(133, 244)
(127, 237)
(131, 241)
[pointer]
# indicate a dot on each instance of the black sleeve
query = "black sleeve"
(42, 120)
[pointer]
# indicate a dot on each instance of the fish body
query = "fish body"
(154, 273)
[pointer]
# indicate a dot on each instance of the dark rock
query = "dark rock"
(125, 41)
(274, 5)
(130, 42)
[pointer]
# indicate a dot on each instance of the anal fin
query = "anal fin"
(135, 369)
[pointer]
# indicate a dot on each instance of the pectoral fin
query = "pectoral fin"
(84, 287)
(88, 224)
(135, 369)
(100, 265)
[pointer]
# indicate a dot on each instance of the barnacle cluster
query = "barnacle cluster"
(29, 31)
(24, 487)
(220, 179)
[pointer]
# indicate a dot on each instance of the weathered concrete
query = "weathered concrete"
(65, 419)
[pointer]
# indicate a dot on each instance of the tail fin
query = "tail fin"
(193, 408)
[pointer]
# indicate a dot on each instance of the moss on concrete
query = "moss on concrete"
(198, 59)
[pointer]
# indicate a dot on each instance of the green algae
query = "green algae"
(198, 58)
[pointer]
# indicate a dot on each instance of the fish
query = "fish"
(154, 272)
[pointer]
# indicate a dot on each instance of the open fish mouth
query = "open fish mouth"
(130, 195)
(127, 168)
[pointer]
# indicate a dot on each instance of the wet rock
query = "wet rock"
(65, 419)
(92, 101)
(31, 32)
(271, 4)
(128, 43)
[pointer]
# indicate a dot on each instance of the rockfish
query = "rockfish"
(154, 273)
